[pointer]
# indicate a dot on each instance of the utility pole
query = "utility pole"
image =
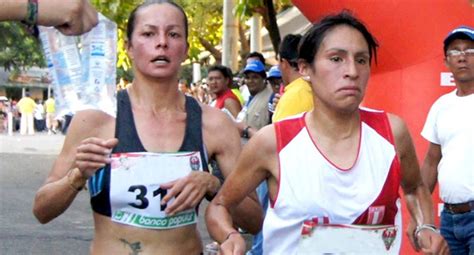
(230, 37)
(255, 38)
(196, 72)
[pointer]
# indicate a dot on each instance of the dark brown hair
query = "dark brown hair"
(311, 41)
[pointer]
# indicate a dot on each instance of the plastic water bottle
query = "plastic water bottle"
(99, 57)
(83, 67)
(63, 61)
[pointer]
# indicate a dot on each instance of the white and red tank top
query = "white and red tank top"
(311, 186)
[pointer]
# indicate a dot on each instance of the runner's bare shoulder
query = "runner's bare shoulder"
(90, 123)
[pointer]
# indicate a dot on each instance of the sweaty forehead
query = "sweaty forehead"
(159, 13)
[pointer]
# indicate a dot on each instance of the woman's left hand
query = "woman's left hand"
(188, 191)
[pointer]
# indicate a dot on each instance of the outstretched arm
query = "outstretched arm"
(417, 195)
(71, 17)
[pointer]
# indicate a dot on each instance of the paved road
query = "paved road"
(24, 164)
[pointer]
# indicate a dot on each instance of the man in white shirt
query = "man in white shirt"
(450, 157)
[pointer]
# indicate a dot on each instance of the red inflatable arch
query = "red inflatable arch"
(410, 74)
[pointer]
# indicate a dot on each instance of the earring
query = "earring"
(306, 78)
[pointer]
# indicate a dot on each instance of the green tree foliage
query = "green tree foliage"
(268, 9)
(18, 49)
(205, 26)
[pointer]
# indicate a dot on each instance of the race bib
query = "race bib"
(135, 192)
(348, 239)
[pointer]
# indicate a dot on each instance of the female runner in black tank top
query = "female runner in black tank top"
(153, 116)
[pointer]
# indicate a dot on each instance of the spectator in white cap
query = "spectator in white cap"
(449, 160)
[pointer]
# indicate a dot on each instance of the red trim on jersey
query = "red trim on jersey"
(313, 140)
(320, 220)
(389, 194)
(388, 198)
(285, 131)
(379, 122)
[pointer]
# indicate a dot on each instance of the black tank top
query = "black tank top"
(126, 132)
